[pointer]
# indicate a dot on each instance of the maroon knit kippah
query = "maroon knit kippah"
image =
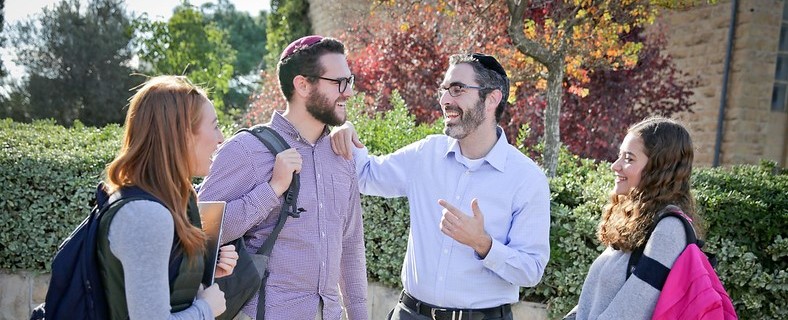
(299, 44)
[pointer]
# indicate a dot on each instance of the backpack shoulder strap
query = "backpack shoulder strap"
(275, 143)
(688, 230)
(268, 136)
(670, 211)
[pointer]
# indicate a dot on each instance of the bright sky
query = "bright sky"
(16, 10)
(156, 9)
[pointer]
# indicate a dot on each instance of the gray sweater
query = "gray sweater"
(607, 294)
(140, 236)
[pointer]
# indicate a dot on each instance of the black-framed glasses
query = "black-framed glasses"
(344, 83)
(457, 88)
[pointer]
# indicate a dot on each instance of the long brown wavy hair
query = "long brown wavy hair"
(665, 180)
(157, 142)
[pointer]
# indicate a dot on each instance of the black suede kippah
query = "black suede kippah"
(491, 63)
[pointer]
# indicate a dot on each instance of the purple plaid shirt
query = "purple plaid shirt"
(316, 255)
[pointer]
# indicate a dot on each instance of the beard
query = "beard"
(322, 109)
(468, 121)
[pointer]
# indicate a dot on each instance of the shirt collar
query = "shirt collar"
(283, 126)
(497, 155)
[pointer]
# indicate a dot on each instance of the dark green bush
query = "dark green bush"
(745, 209)
(47, 176)
(578, 192)
(386, 221)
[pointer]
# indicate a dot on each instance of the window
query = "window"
(780, 90)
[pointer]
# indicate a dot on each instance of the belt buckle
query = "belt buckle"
(455, 315)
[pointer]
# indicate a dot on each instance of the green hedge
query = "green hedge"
(47, 176)
(386, 221)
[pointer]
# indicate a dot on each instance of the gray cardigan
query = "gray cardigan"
(607, 294)
(140, 236)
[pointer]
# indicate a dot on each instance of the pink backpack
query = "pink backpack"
(692, 289)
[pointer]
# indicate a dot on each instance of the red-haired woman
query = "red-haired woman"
(170, 135)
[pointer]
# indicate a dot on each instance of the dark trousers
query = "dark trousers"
(402, 312)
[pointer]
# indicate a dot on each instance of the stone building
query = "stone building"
(330, 18)
(755, 121)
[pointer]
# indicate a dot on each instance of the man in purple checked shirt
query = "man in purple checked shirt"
(321, 252)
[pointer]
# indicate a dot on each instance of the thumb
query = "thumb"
(477, 212)
(357, 142)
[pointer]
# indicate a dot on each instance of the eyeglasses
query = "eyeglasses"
(457, 89)
(344, 82)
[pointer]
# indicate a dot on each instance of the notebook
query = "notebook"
(212, 216)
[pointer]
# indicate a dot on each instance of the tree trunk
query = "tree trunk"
(552, 131)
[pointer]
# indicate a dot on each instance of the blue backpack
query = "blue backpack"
(75, 288)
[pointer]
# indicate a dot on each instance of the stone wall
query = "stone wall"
(331, 18)
(21, 291)
(697, 40)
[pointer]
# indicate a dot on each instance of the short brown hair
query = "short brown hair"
(486, 78)
(305, 62)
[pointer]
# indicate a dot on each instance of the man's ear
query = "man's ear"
(301, 85)
(493, 99)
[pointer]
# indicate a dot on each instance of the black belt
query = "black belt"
(438, 313)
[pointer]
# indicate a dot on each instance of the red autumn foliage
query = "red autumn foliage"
(593, 126)
(265, 100)
(410, 53)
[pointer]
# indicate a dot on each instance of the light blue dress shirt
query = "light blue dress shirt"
(514, 198)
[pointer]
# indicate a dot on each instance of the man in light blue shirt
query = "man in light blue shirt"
(480, 209)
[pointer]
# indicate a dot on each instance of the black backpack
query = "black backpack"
(75, 287)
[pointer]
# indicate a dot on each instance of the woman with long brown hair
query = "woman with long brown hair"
(152, 253)
(652, 176)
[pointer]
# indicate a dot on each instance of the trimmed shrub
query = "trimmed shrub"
(579, 191)
(48, 179)
(48, 175)
(745, 209)
(386, 221)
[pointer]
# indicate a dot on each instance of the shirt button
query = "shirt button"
(445, 250)
(323, 234)
(318, 176)
(321, 205)
(440, 278)
(457, 197)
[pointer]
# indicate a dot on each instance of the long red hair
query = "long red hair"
(157, 141)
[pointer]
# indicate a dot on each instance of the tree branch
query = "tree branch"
(528, 47)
